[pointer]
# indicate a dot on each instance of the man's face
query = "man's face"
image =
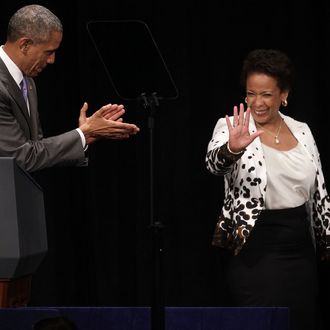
(39, 55)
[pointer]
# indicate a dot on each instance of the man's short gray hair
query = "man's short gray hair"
(35, 22)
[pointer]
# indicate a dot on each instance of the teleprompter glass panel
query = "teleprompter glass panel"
(131, 58)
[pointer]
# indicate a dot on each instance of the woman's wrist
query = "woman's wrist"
(233, 152)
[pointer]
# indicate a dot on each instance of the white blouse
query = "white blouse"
(290, 177)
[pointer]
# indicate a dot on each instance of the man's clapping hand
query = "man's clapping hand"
(105, 123)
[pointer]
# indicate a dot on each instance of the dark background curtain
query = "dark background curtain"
(100, 251)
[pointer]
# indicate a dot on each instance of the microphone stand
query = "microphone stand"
(151, 102)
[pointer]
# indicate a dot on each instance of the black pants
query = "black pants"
(277, 267)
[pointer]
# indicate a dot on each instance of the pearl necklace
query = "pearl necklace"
(277, 140)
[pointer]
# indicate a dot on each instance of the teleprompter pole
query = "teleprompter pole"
(157, 306)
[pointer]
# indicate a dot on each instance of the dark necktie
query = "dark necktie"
(24, 89)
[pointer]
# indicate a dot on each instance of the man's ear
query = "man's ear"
(24, 44)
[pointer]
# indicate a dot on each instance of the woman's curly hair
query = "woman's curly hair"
(271, 62)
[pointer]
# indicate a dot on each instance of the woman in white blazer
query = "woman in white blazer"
(276, 210)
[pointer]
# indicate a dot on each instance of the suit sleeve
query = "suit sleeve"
(31, 155)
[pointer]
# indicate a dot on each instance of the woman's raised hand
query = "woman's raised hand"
(239, 135)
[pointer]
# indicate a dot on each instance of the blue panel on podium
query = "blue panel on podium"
(226, 318)
(138, 318)
(24, 318)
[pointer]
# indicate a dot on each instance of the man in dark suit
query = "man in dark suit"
(34, 34)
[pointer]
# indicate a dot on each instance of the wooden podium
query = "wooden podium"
(23, 236)
(15, 292)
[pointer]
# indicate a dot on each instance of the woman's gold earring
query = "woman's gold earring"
(245, 100)
(285, 103)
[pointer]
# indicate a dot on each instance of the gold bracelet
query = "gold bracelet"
(234, 153)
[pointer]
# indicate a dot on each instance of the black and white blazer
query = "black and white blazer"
(246, 186)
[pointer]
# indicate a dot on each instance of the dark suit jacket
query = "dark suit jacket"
(21, 135)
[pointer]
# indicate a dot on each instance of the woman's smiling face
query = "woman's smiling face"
(264, 97)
